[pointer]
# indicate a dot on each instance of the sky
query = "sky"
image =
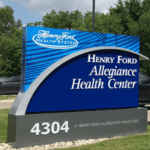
(30, 11)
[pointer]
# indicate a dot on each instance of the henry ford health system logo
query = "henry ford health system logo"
(54, 41)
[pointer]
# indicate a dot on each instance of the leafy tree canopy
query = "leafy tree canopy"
(135, 20)
(7, 22)
(10, 43)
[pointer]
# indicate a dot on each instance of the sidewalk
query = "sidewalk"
(6, 103)
(148, 117)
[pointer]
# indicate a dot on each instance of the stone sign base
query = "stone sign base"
(47, 128)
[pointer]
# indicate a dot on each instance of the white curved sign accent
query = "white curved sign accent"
(54, 41)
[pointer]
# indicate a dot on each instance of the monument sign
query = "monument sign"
(76, 85)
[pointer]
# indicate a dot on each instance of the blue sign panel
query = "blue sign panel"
(99, 79)
(42, 47)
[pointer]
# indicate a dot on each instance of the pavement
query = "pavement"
(148, 118)
(8, 103)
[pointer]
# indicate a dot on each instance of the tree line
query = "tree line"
(129, 17)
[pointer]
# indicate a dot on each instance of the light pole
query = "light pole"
(93, 15)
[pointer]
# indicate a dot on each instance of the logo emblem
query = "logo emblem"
(55, 41)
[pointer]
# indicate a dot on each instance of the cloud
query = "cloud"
(45, 6)
(24, 25)
(1, 4)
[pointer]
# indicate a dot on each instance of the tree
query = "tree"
(18, 24)
(10, 54)
(64, 20)
(144, 33)
(57, 20)
(38, 24)
(7, 22)
(77, 21)
(109, 24)
(135, 20)
(10, 43)
(128, 11)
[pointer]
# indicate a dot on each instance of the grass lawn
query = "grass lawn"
(3, 124)
(132, 142)
(7, 97)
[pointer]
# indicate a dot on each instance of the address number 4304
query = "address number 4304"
(54, 128)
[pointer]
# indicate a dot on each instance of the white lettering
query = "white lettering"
(126, 60)
(91, 58)
(113, 84)
(94, 70)
(78, 83)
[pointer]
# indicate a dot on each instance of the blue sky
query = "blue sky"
(21, 12)
(33, 10)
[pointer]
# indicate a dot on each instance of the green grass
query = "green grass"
(132, 142)
(3, 124)
(7, 97)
